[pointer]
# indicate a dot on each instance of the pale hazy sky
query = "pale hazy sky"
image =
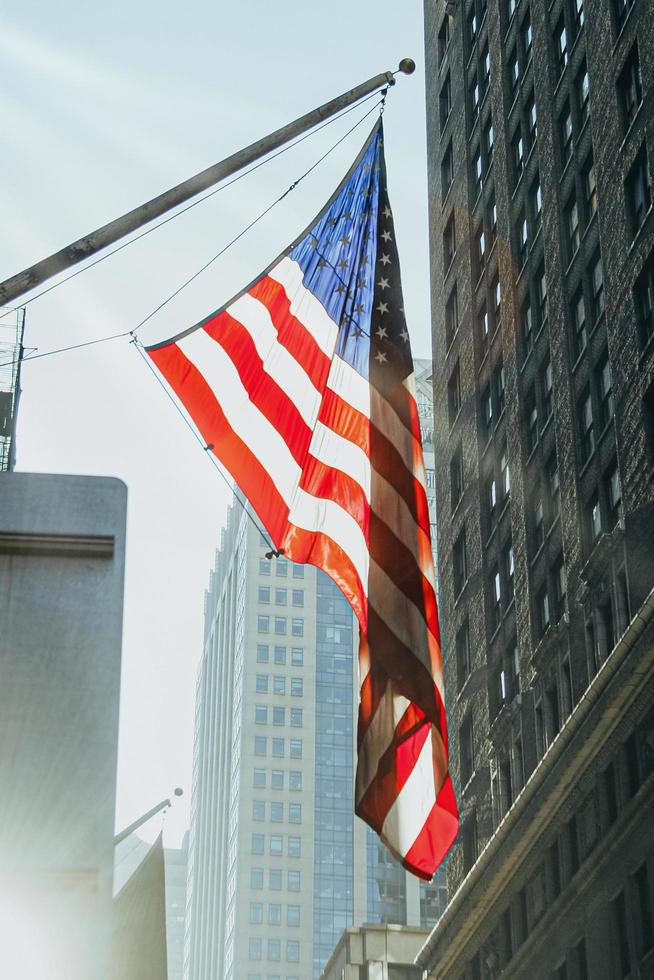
(103, 106)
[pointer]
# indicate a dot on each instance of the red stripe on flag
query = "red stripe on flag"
(293, 334)
(200, 401)
(322, 480)
(437, 835)
(263, 391)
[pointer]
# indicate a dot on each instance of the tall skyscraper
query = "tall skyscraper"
(540, 137)
(12, 323)
(278, 863)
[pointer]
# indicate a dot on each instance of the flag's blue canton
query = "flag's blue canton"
(338, 258)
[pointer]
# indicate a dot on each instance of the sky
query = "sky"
(105, 106)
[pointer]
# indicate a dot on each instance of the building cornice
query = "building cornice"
(475, 903)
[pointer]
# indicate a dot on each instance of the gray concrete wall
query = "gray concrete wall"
(62, 556)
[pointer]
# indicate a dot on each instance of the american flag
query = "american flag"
(303, 387)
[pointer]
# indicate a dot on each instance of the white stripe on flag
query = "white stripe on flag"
(349, 385)
(336, 451)
(262, 438)
(304, 305)
(278, 362)
(317, 514)
(411, 808)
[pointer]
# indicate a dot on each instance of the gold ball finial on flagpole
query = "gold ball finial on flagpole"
(407, 66)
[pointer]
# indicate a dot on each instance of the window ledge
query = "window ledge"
(447, 195)
(532, 452)
(548, 422)
(647, 350)
(623, 27)
(586, 464)
(631, 126)
(536, 557)
(449, 268)
(607, 428)
(579, 358)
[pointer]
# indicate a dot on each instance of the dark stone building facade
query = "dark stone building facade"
(541, 146)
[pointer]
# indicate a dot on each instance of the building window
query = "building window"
(297, 627)
(594, 517)
(583, 96)
(536, 204)
(261, 714)
(485, 65)
(505, 476)
(297, 597)
(451, 317)
(280, 656)
(297, 687)
(475, 98)
(258, 810)
(261, 683)
(491, 219)
(444, 38)
(578, 15)
(488, 144)
(547, 389)
(279, 716)
(487, 412)
(445, 101)
(456, 478)
(256, 878)
(644, 302)
(449, 243)
(296, 748)
(264, 593)
(526, 37)
(260, 745)
(447, 169)
(541, 294)
(282, 568)
(483, 331)
(292, 915)
(622, 9)
(496, 300)
(470, 844)
(259, 779)
(614, 495)
(295, 780)
(275, 880)
(476, 173)
(597, 286)
(278, 748)
(495, 595)
(466, 750)
(553, 486)
(298, 571)
(263, 654)
(522, 239)
(605, 391)
(454, 394)
(508, 562)
(479, 251)
(539, 525)
(292, 951)
(281, 597)
(276, 812)
(463, 654)
(586, 425)
(263, 624)
(264, 566)
(256, 846)
(572, 227)
(532, 119)
(560, 586)
(644, 930)
(630, 87)
(296, 717)
(542, 610)
(590, 188)
(565, 129)
(578, 314)
(254, 948)
(531, 412)
(277, 779)
(295, 813)
(279, 684)
(620, 935)
(560, 45)
(294, 881)
(297, 656)
(294, 846)
(459, 563)
(513, 68)
(280, 625)
(499, 388)
(276, 844)
(527, 329)
(274, 949)
(639, 190)
(518, 152)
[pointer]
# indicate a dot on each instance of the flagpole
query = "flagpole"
(112, 232)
